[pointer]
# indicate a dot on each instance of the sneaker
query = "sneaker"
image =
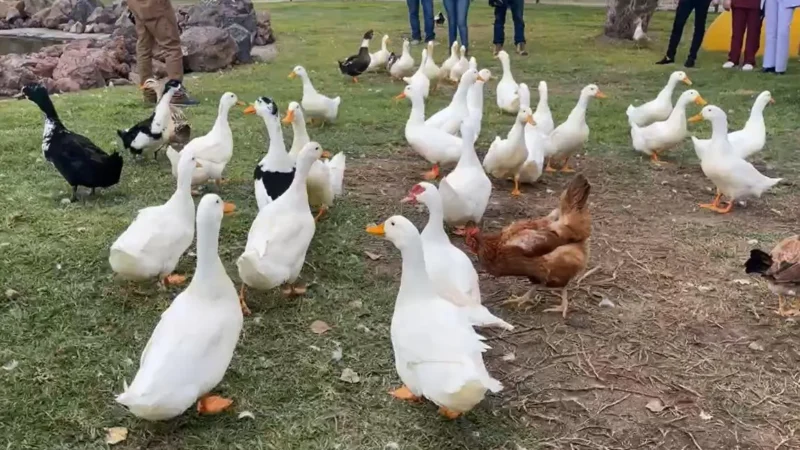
(730, 64)
(747, 67)
(768, 69)
(521, 49)
(689, 63)
(497, 48)
(665, 60)
(182, 98)
(415, 42)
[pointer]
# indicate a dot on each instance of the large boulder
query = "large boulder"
(88, 66)
(207, 49)
(102, 16)
(15, 71)
(264, 33)
(5, 8)
(244, 44)
(222, 14)
(82, 9)
(34, 6)
(62, 11)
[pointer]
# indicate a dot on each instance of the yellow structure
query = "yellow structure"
(718, 35)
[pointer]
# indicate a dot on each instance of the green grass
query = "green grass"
(77, 333)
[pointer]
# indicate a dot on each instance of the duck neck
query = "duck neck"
(383, 45)
(276, 145)
(719, 131)
(435, 226)
(300, 135)
(417, 116)
(184, 185)
(679, 112)
(208, 262)
(542, 106)
(460, 96)
(469, 159)
(221, 124)
(668, 89)
(517, 132)
(506, 70)
(757, 111)
(475, 96)
(297, 190)
(415, 285)
(307, 83)
(50, 115)
(579, 111)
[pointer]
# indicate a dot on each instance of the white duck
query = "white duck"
(449, 268)
(433, 144)
(296, 118)
(214, 150)
(475, 101)
(193, 344)
(459, 67)
(155, 241)
(505, 156)
(536, 138)
(275, 171)
(449, 119)
(438, 355)
(750, 139)
(200, 174)
(431, 70)
(419, 79)
(316, 105)
(280, 235)
(404, 65)
(570, 137)
(734, 177)
(659, 137)
(507, 88)
(378, 59)
(542, 116)
(660, 107)
(444, 71)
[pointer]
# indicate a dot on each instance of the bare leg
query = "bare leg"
(549, 168)
(245, 309)
(562, 308)
(516, 192)
(522, 299)
(322, 210)
(566, 168)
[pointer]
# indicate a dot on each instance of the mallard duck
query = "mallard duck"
(357, 64)
(505, 156)
(429, 67)
(507, 88)
(542, 116)
(77, 159)
(438, 355)
(444, 70)
(459, 67)
(781, 269)
(570, 137)
(433, 144)
(274, 173)
(215, 149)
(750, 139)
(449, 119)
(152, 133)
(734, 177)
(379, 59)
(159, 235)
(401, 67)
(316, 105)
(280, 235)
(659, 108)
(191, 347)
(449, 268)
(419, 79)
(659, 137)
(475, 101)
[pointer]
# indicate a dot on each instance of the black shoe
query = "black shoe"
(181, 98)
(665, 60)
(689, 62)
(768, 70)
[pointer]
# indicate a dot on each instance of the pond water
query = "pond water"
(22, 45)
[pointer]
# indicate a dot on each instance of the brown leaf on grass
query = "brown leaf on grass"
(655, 405)
(320, 327)
(350, 376)
(115, 435)
(373, 256)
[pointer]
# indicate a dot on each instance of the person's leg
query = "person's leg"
(427, 17)
(753, 41)
(517, 15)
(700, 15)
(739, 23)
(168, 36)
(782, 48)
(413, 19)
(463, 10)
(681, 14)
(499, 37)
(144, 57)
(771, 34)
(452, 25)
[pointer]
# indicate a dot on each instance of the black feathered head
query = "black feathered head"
(172, 84)
(368, 35)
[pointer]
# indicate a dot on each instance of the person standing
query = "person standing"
(427, 17)
(682, 13)
(156, 24)
(517, 8)
(778, 15)
(746, 17)
(457, 20)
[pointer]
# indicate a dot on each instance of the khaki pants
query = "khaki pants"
(164, 31)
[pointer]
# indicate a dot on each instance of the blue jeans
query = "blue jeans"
(427, 16)
(457, 20)
(516, 7)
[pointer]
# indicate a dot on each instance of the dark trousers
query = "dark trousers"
(427, 17)
(517, 7)
(682, 13)
(749, 20)
(457, 11)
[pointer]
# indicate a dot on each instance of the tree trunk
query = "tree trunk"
(621, 16)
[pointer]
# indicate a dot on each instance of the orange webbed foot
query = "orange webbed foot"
(174, 279)
(242, 303)
(321, 212)
(404, 393)
(449, 413)
(213, 404)
(432, 174)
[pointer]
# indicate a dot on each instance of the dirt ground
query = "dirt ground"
(691, 355)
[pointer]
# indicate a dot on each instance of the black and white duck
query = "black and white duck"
(77, 159)
(274, 173)
(357, 64)
(439, 19)
(151, 134)
(181, 131)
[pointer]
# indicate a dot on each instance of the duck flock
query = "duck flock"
(437, 351)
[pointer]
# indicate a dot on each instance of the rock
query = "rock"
(264, 35)
(82, 9)
(103, 15)
(45, 66)
(34, 6)
(265, 53)
(52, 17)
(102, 28)
(65, 27)
(206, 49)
(222, 14)
(67, 85)
(244, 44)
(4, 8)
(119, 82)
(89, 28)
(15, 72)
(77, 28)
(13, 14)
(88, 66)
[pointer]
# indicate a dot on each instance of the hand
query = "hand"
(726, 4)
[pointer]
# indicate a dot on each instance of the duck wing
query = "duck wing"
(81, 162)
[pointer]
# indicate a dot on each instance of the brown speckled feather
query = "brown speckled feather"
(786, 261)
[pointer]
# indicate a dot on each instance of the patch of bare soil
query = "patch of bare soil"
(691, 354)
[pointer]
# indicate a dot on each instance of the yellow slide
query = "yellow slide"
(718, 35)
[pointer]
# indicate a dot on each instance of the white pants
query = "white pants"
(778, 20)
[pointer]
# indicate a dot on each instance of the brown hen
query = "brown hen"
(781, 268)
(549, 251)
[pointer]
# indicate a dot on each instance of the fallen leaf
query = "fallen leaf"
(314, 347)
(655, 405)
(373, 256)
(115, 435)
(320, 327)
(706, 288)
(605, 302)
(349, 376)
(11, 365)
(705, 416)
(337, 354)
(246, 415)
(11, 294)
(756, 346)
(752, 242)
